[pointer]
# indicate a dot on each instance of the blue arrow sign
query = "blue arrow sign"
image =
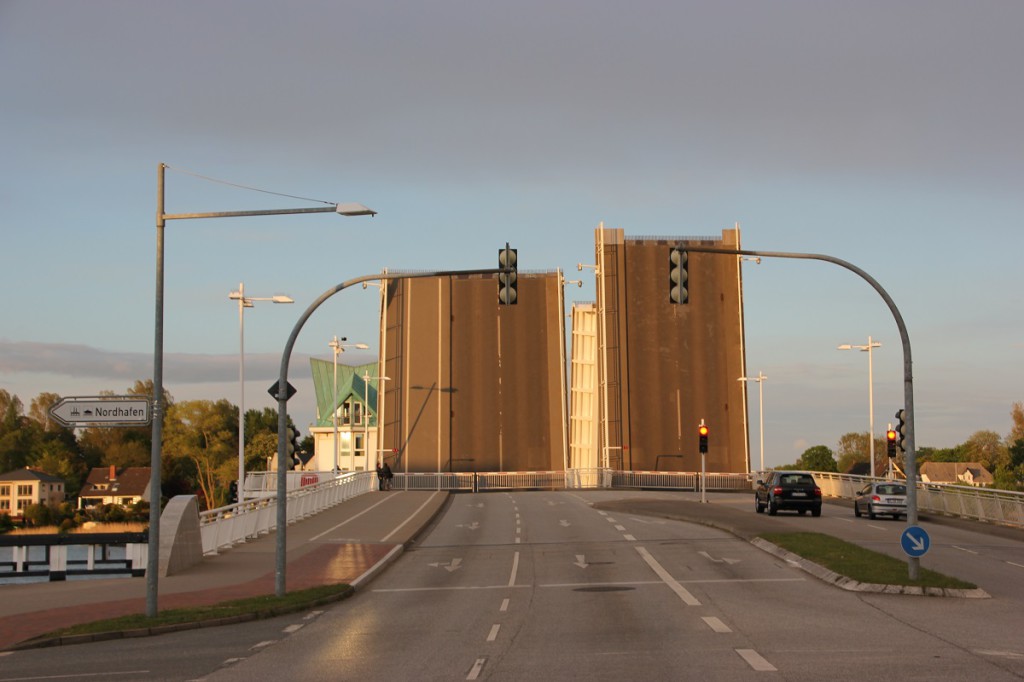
(915, 541)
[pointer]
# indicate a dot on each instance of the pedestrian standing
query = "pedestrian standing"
(380, 477)
(388, 475)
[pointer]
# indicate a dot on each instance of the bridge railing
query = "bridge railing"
(227, 526)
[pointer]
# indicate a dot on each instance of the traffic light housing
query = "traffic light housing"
(233, 492)
(890, 437)
(507, 278)
(292, 446)
(678, 276)
(702, 433)
(901, 429)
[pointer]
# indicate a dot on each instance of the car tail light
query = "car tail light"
(777, 490)
(817, 491)
(876, 498)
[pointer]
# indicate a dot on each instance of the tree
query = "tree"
(987, 448)
(14, 438)
(853, 448)
(206, 434)
(1017, 414)
(817, 458)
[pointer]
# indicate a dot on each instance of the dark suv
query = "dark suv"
(788, 490)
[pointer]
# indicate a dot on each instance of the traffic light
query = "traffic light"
(901, 429)
(292, 446)
(678, 276)
(507, 284)
(890, 437)
(233, 492)
(702, 432)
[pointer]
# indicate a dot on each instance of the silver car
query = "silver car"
(884, 497)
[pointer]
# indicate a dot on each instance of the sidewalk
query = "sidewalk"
(348, 543)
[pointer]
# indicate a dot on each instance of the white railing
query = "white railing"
(227, 526)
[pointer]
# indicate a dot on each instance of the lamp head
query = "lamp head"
(280, 298)
(353, 209)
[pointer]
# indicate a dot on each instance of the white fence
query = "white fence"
(312, 493)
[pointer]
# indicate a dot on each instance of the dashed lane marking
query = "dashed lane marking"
(474, 672)
(756, 660)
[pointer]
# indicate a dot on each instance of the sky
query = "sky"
(887, 134)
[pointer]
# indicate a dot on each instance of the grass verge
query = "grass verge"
(252, 607)
(858, 563)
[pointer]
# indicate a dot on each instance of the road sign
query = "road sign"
(119, 410)
(288, 393)
(915, 541)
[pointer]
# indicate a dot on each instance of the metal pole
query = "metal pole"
(760, 405)
(871, 409)
(241, 397)
(334, 467)
(153, 549)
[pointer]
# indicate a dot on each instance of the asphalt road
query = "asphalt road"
(548, 585)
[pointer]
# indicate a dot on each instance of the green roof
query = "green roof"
(350, 385)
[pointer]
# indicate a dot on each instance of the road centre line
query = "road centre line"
(756, 660)
(493, 634)
(631, 583)
(629, 537)
(515, 569)
(620, 527)
(716, 624)
(410, 517)
(666, 578)
(475, 670)
(1015, 564)
(504, 605)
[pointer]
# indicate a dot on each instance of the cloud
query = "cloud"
(80, 361)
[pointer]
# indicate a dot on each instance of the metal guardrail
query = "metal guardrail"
(224, 527)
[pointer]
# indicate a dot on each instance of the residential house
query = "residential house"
(956, 473)
(23, 487)
(107, 485)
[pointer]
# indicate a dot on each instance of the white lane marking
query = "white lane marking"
(564, 523)
(619, 527)
(629, 537)
(411, 516)
(515, 569)
(455, 588)
(504, 605)
(312, 614)
(716, 624)
(964, 549)
(463, 588)
(581, 561)
(659, 570)
(263, 645)
(725, 560)
(493, 634)
(756, 660)
(293, 628)
(602, 513)
(357, 583)
(1004, 654)
(610, 519)
(475, 670)
(877, 527)
(1015, 564)
(352, 518)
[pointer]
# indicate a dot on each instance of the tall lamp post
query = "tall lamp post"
(156, 451)
(338, 346)
(366, 418)
(760, 404)
(243, 303)
(871, 394)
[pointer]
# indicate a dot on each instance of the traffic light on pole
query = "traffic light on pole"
(678, 276)
(702, 432)
(890, 438)
(233, 492)
(901, 429)
(507, 284)
(292, 446)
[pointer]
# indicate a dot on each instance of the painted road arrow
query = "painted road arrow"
(453, 566)
(718, 561)
(471, 526)
(581, 561)
(102, 411)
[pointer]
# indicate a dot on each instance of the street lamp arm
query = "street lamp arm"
(349, 209)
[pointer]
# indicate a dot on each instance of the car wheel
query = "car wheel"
(816, 511)
(856, 510)
(758, 507)
(773, 508)
(871, 512)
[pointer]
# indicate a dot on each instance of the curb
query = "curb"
(850, 585)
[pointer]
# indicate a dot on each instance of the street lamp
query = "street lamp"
(871, 395)
(338, 347)
(243, 303)
(760, 403)
(156, 451)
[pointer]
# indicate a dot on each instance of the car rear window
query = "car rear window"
(796, 479)
(892, 490)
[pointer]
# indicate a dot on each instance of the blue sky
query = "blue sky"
(886, 134)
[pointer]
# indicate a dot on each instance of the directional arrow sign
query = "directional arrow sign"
(915, 541)
(102, 411)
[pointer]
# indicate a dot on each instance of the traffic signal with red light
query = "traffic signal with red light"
(702, 432)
